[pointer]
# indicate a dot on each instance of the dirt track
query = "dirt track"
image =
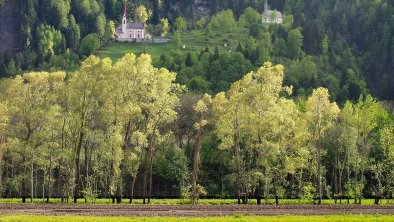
(188, 210)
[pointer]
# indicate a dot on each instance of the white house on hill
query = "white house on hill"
(130, 32)
(270, 16)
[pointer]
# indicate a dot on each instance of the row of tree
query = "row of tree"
(103, 129)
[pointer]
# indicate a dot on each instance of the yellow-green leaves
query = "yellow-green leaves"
(202, 108)
(320, 111)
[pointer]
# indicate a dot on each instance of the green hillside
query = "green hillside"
(194, 41)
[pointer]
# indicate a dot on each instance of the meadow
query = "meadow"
(194, 41)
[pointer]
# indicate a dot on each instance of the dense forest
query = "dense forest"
(347, 47)
(300, 110)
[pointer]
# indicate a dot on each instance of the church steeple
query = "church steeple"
(124, 8)
(124, 19)
(266, 5)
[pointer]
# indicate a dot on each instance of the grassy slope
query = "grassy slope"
(193, 40)
(329, 218)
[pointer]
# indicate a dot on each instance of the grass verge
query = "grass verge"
(235, 218)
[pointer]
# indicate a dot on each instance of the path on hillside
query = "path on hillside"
(188, 210)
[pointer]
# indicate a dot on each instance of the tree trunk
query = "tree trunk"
(336, 188)
(23, 186)
(196, 165)
(319, 184)
(361, 190)
(1, 167)
(132, 189)
(119, 189)
(145, 177)
(348, 177)
(150, 174)
(276, 196)
(32, 181)
(144, 182)
(300, 184)
(43, 186)
(259, 193)
(77, 167)
(49, 178)
(237, 151)
(355, 187)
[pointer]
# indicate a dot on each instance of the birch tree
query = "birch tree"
(202, 109)
(32, 98)
(3, 126)
(83, 91)
(229, 112)
(320, 115)
(365, 113)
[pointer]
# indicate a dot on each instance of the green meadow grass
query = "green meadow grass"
(235, 218)
(194, 40)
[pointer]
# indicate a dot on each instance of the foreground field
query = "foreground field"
(189, 210)
(328, 218)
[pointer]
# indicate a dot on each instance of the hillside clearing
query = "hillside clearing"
(194, 41)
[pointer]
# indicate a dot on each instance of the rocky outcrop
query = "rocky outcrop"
(202, 8)
(8, 30)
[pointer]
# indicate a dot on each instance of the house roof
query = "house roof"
(133, 25)
(269, 12)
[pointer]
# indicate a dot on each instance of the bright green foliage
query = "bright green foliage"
(320, 115)
(165, 27)
(143, 14)
(101, 25)
(4, 121)
(250, 17)
(202, 110)
(109, 33)
(365, 121)
(294, 44)
(180, 24)
(112, 130)
(73, 34)
(255, 117)
(90, 44)
(224, 20)
(34, 108)
(50, 40)
(176, 39)
(57, 13)
(201, 23)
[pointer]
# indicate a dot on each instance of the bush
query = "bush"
(90, 44)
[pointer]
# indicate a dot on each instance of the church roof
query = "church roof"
(269, 12)
(124, 8)
(133, 25)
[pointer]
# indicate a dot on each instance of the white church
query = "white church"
(130, 32)
(270, 16)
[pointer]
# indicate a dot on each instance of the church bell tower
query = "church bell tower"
(124, 19)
